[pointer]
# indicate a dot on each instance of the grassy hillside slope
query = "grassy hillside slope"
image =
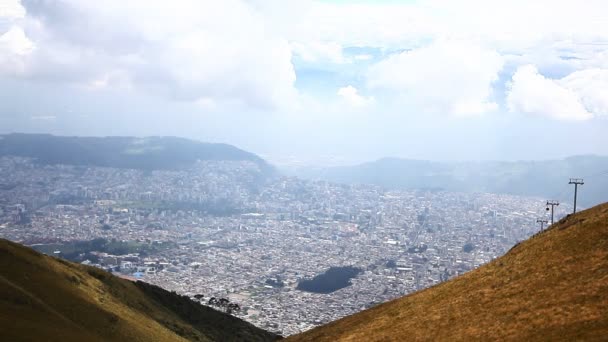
(553, 286)
(47, 299)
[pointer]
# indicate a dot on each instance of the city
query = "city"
(218, 230)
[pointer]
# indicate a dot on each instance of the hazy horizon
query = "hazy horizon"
(318, 82)
(482, 101)
(322, 161)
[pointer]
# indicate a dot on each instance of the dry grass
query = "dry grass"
(48, 299)
(553, 286)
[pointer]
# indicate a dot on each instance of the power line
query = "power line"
(576, 182)
(552, 204)
(562, 191)
(542, 223)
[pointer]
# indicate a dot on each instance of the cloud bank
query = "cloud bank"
(581, 95)
(185, 50)
(276, 75)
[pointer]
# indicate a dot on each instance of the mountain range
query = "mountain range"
(149, 153)
(548, 179)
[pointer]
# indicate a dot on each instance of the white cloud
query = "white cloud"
(363, 57)
(559, 36)
(15, 42)
(316, 51)
(446, 77)
(521, 24)
(11, 9)
(185, 49)
(578, 96)
(44, 118)
(113, 78)
(240, 51)
(15, 47)
(516, 25)
(351, 95)
(591, 86)
(384, 25)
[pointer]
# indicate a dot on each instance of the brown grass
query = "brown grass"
(47, 299)
(552, 287)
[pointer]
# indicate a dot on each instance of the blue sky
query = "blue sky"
(315, 82)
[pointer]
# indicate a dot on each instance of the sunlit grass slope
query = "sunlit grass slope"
(553, 287)
(47, 299)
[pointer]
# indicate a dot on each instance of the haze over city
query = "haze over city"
(307, 170)
(314, 82)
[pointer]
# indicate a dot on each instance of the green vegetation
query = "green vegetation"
(331, 280)
(48, 299)
(80, 250)
(152, 153)
(468, 247)
(204, 318)
(552, 287)
(391, 264)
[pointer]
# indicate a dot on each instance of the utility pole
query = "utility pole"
(552, 204)
(576, 182)
(542, 223)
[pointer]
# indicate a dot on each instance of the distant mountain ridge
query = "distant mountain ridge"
(149, 153)
(43, 298)
(547, 178)
(551, 287)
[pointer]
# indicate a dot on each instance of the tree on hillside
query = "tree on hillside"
(223, 302)
(233, 307)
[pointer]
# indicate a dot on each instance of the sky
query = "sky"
(315, 82)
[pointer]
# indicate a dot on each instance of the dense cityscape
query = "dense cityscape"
(221, 230)
(303, 171)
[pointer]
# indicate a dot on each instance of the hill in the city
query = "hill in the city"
(47, 299)
(547, 178)
(552, 287)
(150, 153)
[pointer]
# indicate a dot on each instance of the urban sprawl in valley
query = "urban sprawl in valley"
(217, 229)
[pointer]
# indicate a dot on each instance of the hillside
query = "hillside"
(151, 153)
(528, 178)
(47, 299)
(552, 287)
